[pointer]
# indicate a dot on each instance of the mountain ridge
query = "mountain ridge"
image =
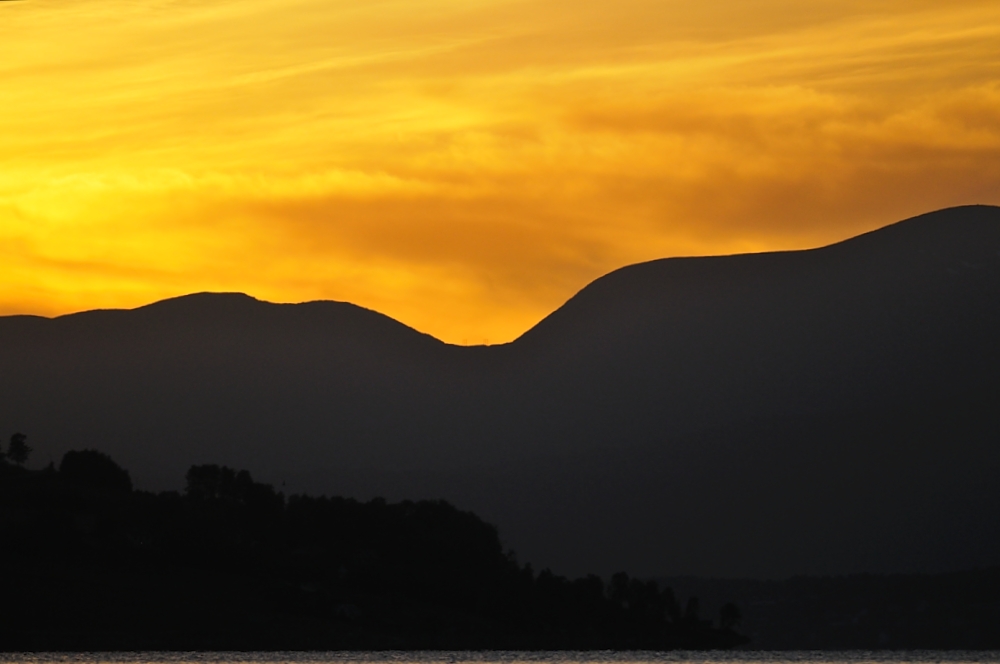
(697, 373)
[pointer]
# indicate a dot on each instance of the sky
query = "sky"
(466, 166)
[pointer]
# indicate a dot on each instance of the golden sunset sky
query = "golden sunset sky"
(465, 166)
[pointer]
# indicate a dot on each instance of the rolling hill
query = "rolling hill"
(824, 411)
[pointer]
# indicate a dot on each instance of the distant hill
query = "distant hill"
(821, 411)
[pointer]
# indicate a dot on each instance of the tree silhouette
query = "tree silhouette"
(94, 471)
(232, 558)
(729, 616)
(691, 610)
(618, 590)
(210, 482)
(18, 450)
(673, 607)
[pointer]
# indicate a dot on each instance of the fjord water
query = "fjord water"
(518, 657)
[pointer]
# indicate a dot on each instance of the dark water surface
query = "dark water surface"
(517, 657)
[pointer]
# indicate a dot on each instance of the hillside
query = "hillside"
(232, 565)
(820, 411)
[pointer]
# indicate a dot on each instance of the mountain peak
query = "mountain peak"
(925, 248)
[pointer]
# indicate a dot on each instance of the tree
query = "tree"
(18, 450)
(691, 610)
(94, 471)
(729, 616)
(210, 482)
(618, 590)
(219, 484)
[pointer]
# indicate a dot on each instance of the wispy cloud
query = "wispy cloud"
(466, 166)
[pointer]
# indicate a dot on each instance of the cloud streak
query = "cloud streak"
(467, 166)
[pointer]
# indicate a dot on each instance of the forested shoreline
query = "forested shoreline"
(231, 564)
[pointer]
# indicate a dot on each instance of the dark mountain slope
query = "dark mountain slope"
(829, 410)
(212, 376)
(896, 314)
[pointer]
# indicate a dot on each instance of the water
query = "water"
(512, 657)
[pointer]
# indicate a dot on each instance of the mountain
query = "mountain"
(821, 411)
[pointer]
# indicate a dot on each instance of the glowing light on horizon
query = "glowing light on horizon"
(466, 166)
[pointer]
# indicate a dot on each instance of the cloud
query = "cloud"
(467, 166)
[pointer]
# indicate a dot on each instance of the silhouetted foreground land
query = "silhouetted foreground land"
(91, 564)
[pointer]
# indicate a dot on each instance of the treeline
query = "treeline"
(89, 563)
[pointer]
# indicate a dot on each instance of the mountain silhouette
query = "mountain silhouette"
(822, 411)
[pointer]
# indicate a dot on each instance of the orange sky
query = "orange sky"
(467, 165)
